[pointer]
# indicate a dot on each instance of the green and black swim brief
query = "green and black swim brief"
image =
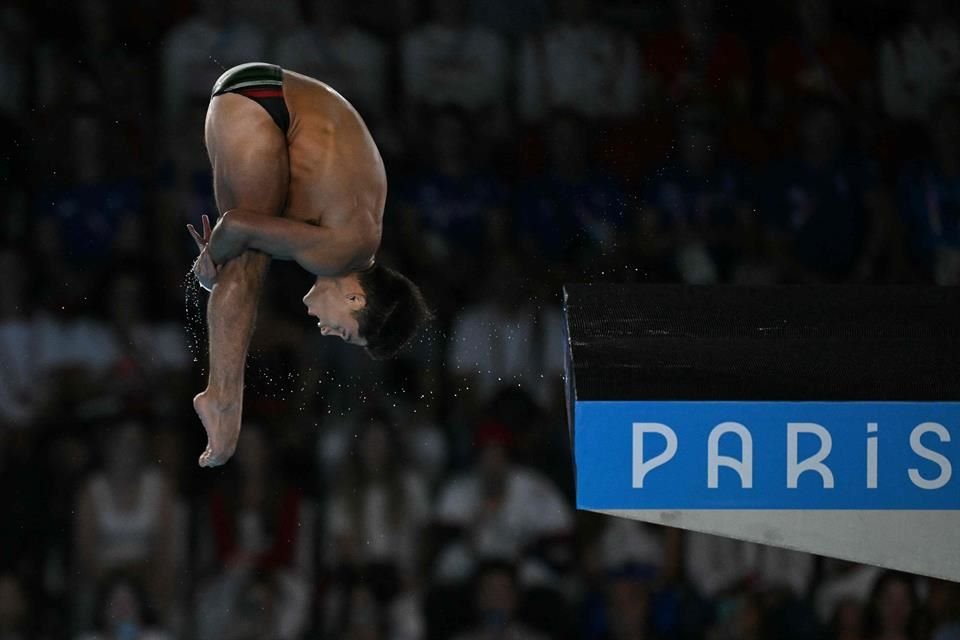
(262, 83)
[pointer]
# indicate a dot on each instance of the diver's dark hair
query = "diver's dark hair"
(395, 310)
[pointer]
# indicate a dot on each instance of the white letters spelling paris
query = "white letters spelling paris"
(795, 468)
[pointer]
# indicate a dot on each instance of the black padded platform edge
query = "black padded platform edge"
(831, 343)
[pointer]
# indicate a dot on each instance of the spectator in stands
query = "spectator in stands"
(700, 201)
(256, 529)
(350, 59)
(374, 523)
(919, 63)
(406, 401)
(717, 566)
(23, 486)
(742, 617)
(23, 388)
(363, 617)
(508, 338)
(512, 18)
(15, 38)
(627, 610)
(410, 386)
(533, 421)
(450, 61)
(817, 59)
(893, 609)
(572, 212)
(453, 207)
(843, 584)
(632, 561)
(122, 519)
(273, 19)
(258, 517)
(390, 20)
(62, 461)
(378, 506)
(495, 600)
(116, 70)
(605, 62)
(123, 612)
(195, 52)
(92, 72)
(695, 59)
(141, 351)
(167, 444)
(71, 342)
(15, 613)
(928, 195)
(825, 206)
(251, 603)
(846, 621)
(627, 543)
(499, 509)
(89, 210)
(943, 609)
(644, 251)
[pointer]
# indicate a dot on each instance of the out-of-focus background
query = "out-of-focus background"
(527, 143)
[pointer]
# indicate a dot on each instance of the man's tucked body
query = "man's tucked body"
(314, 194)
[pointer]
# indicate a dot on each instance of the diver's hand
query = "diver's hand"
(204, 269)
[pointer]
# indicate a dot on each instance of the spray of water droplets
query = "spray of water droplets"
(195, 319)
(280, 387)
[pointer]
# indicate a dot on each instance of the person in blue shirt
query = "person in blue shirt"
(699, 200)
(928, 198)
(574, 210)
(826, 209)
(454, 206)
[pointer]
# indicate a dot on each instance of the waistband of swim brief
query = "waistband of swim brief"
(251, 74)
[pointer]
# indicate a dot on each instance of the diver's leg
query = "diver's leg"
(248, 153)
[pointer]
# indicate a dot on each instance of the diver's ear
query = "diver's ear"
(356, 301)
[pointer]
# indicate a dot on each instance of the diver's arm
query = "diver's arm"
(315, 248)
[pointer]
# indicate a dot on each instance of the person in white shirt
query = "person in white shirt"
(121, 521)
(379, 506)
(20, 377)
(581, 64)
(498, 509)
(508, 339)
(448, 61)
(375, 522)
(136, 342)
(920, 63)
(716, 565)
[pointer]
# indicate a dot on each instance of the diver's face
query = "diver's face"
(335, 304)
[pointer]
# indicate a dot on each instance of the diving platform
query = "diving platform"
(823, 419)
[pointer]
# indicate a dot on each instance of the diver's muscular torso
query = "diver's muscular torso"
(337, 178)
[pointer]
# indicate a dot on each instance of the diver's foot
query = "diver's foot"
(222, 424)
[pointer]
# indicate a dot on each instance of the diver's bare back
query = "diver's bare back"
(337, 178)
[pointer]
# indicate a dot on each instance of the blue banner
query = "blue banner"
(767, 455)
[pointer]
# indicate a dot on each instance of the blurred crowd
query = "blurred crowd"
(528, 143)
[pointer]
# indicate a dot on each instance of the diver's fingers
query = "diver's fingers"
(196, 237)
